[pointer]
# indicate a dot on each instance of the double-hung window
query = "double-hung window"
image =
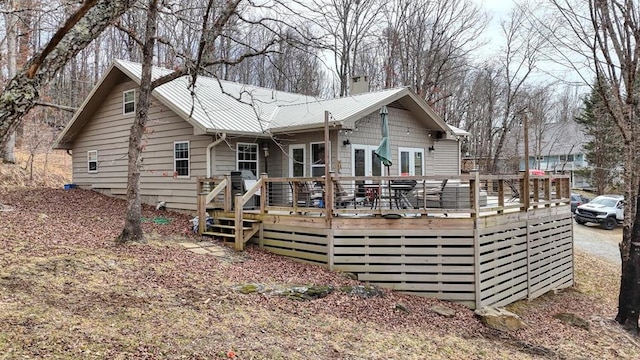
(92, 161)
(248, 157)
(129, 102)
(181, 158)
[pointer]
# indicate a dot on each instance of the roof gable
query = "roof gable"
(218, 106)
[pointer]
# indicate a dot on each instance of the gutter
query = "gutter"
(209, 147)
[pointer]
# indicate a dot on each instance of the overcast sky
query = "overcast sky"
(498, 10)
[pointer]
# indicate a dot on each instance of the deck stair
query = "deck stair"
(224, 229)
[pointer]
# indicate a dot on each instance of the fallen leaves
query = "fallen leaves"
(68, 291)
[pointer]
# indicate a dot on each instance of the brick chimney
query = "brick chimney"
(359, 85)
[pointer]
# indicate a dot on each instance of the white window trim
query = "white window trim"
(312, 166)
(124, 101)
(257, 161)
(89, 161)
(412, 166)
(175, 171)
(304, 156)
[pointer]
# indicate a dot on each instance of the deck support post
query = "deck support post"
(239, 236)
(228, 197)
(500, 196)
(202, 212)
(475, 192)
(202, 206)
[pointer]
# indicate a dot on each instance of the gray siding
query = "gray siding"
(445, 160)
(305, 139)
(108, 133)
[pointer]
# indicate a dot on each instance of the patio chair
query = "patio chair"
(307, 194)
(515, 192)
(342, 197)
(402, 189)
(435, 194)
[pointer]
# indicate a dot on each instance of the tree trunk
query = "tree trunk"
(22, 91)
(629, 296)
(7, 152)
(132, 231)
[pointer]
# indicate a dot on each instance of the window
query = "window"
(317, 159)
(181, 159)
(92, 161)
(570, 157)
(129, 102)
(248, 157)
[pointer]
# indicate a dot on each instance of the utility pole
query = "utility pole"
(525, 123)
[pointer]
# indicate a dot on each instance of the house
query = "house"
(462, 248)
(227, 127)
(558, 148)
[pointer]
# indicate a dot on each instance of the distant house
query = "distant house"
(558, 148)
(224, 126)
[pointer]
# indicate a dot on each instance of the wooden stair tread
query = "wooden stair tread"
(229, 227)
(233, 219)
(213, 233)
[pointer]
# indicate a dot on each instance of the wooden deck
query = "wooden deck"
(486, 247)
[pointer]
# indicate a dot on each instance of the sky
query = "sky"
(498, 10)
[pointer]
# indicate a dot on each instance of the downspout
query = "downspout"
(209, 147)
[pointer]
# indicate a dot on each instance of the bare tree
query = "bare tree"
(519, 59)
(215, 17)
(348, 23)
(604, 35)
(77, 32)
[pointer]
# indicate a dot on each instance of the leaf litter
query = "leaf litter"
(67, 291)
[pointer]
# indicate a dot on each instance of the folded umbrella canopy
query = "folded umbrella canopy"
(384, 149)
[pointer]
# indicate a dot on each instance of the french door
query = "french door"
(297, 166)
(364, 163)
(411, 161)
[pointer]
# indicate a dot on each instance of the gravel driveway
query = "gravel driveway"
(594, 240)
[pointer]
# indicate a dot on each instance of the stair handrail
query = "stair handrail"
(217, 190)
(239, 202)
(252, 191)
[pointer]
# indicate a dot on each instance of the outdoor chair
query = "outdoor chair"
(402, 189)
(435, 194)
(307, 194)
(432, 195)
(515, 192)
(342, 197)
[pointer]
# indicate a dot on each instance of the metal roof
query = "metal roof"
(217, 106)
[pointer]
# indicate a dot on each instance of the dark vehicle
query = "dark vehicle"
(606, 210)
(577, 200)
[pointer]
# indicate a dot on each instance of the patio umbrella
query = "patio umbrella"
(384, 149)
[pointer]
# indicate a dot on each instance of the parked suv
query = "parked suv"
(577, 200)
(606, 210)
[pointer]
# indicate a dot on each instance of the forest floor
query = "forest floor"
(67, 291)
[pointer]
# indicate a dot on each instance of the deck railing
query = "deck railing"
(464, 196)
(477, 239)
